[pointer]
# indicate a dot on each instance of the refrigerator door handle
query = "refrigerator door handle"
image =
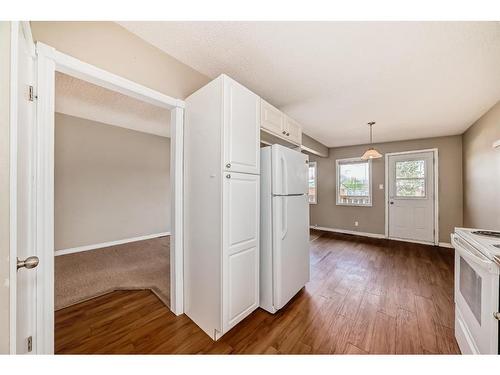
(284, 174)
(284, 220)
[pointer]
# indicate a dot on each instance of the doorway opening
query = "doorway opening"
(111, 193)
(412, 200)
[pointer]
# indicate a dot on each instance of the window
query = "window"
(313, 182)
(410, 179)
(354, 182)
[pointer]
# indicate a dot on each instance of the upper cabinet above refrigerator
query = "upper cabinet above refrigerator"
(275, 122)
(241, 128)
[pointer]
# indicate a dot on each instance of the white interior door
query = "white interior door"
(25, 195)
(411, 196)
(241, 128)
(290, 246)
(241, 247)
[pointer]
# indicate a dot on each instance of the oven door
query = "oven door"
(476, 299)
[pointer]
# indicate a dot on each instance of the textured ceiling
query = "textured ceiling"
(416, 79)
(82, 99)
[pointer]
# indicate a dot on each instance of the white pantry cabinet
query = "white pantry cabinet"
(221, 205)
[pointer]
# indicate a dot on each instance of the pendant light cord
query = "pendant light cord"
(371, 123)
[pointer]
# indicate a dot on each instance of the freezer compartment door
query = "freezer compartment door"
(289, 170)
(290, 247)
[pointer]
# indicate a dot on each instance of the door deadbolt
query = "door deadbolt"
(29, 262)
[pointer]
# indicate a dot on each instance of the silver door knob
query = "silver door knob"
(29, 262)
(228, 176)
(391, 202)
(496, 315)
(228, 165)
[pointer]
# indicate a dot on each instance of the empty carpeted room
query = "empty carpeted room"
(111, 195)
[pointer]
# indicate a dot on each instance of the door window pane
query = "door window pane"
(410, 178)
(410, 188)
(410, 169)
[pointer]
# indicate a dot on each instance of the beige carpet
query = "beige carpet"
(136, 265)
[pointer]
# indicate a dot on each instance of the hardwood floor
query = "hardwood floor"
(365, 296)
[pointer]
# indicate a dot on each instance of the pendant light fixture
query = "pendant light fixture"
(371, 153)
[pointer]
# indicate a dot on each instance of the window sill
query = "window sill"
(354, 205)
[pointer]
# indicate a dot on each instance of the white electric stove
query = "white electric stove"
(477, 290)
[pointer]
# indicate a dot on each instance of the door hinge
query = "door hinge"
(30, 344)
(31, 94)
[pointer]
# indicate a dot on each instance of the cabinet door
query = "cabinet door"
(240, 260)
(293, 130)
(241, 128)
(272, 119)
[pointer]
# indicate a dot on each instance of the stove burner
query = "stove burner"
(487, 233)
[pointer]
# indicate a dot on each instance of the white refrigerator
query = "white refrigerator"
(284, 225)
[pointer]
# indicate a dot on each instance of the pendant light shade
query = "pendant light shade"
(371, 153)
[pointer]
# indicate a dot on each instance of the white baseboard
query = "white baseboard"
(80, 249)
(375, 235)
(446, 244)
(345, 231)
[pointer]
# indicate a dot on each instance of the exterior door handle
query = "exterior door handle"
(29, 262)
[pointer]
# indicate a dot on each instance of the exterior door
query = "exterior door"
(411, 196)
(240, 258)
(26, 283)
(241, 128)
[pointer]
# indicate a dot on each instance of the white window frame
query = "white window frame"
(315, 165)
(338, 162)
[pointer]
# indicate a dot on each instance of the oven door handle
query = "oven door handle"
(473, 255)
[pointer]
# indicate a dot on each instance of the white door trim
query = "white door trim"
(50, 61)
(14, 37)
(15, 28)
(436, 191)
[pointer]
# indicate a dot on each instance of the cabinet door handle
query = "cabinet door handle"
(228, 176)
(228, 165)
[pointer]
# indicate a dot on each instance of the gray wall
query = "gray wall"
(372, 219)
(4, 183)
(111, 183)
(482, 172)
(313, 144)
